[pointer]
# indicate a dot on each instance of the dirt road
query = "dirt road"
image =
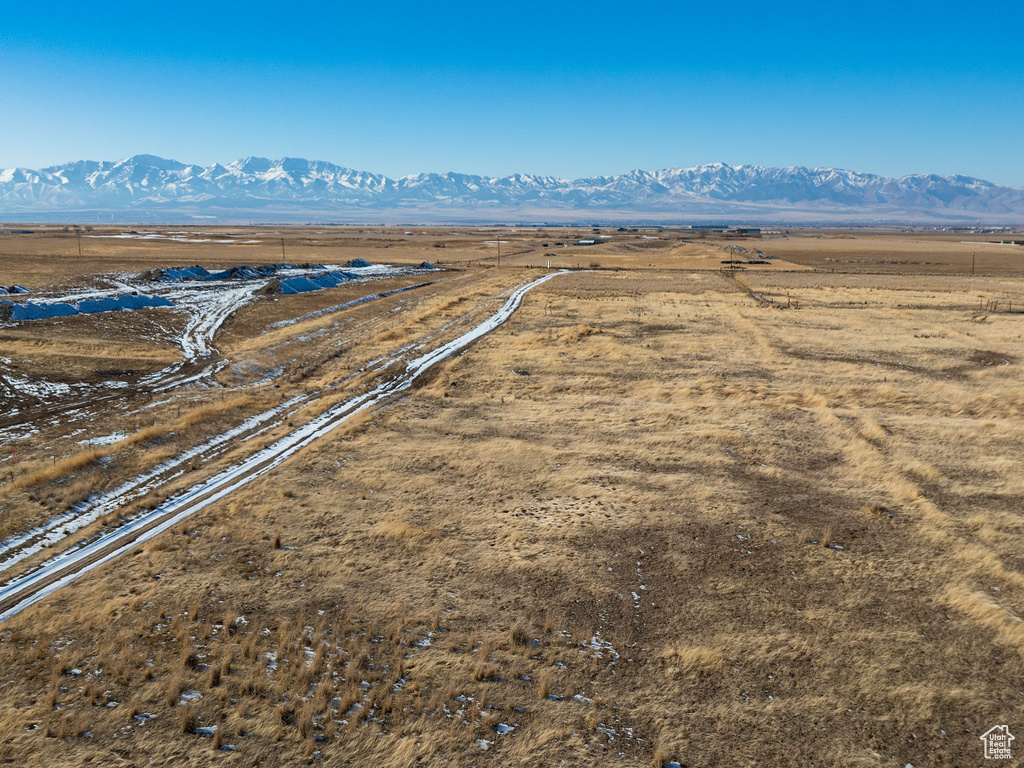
(24, 590)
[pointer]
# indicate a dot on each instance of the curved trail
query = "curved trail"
(201, 362)
(23, 591)
(204, 322)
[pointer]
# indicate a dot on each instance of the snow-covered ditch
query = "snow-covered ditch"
(208, 299)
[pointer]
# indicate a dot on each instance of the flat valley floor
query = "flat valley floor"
(662, 514)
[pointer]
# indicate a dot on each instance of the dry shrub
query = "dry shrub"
(207, 413)
(305, 721)
(72, 725)
(544, 685)
(872, 430)
(577, 332)
(147, 435)
(485, 671)
(875, 510)
(520, 637)
(694, 658)
(355, 424)
(400, 530)
(549, 622)
(175, 685)
(62, 468)
(188, 720)
(80, 491)
(977, 522)
(249, 649)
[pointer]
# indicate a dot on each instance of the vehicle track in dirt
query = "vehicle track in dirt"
(201, 364)
(24, 590)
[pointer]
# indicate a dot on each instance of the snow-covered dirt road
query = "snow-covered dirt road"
(207, 316)
(21, 546)
(27, 588)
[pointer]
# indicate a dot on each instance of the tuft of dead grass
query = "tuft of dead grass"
(686, 659)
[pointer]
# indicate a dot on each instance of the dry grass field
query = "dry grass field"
(661, 514)
(888, 251)
(50, 255)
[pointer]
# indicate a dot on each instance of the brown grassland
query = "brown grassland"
(664, 513)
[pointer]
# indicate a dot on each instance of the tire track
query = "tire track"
(22, 591)
(22, 546)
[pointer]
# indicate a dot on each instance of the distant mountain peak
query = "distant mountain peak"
(297, 187)
(152, 161)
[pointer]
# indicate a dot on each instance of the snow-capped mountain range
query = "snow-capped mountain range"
(145, 187)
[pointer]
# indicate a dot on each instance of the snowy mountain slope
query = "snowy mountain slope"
(147, 182)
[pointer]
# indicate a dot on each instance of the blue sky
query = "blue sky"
(564, 88)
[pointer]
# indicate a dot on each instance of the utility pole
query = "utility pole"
(972, 263)
(79, 233)
(499, 250)
(282, 249)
